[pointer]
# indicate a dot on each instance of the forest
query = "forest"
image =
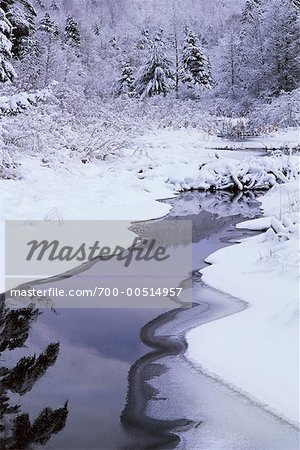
(80, 78)
(131, 111)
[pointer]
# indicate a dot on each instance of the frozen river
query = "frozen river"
(124, 371)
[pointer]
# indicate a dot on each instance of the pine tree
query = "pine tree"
(248, 12)
(114, 43)
(282, 43)
(48, 25)
(21, 15)
(126, 81)
(72, 35)
(7, 72)
(31, 53)
(40, 3)
(46, 50)
(153, 78)
(196, 68)
(270, 42)
(16, 429)
(229, 81)
(144, 41)
(252, 44)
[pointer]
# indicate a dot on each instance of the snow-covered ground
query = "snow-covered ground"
(154, 166)
(281, 139)
(254, 350)
(257, 350)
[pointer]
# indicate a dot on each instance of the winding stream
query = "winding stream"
(130, 363)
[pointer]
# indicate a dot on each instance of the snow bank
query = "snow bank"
(261, 224)
(82, 192)
(284, 139)
(127, 186)
(257, 350)
(185, 163)
(249, 173)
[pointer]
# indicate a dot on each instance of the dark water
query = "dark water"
(108, 358)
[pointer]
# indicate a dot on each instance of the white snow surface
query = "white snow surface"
(286, 138)
(256, 351)
(155, 166)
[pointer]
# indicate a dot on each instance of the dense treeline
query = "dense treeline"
(104, 70)
(108, 49)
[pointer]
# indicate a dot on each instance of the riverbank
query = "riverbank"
(126, 187)
(257, 351)
(168, 403)
(166, 393)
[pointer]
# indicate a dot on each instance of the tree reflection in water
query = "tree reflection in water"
(17, 431)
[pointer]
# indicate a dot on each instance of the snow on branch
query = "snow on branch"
(17, 103)
(233, 175)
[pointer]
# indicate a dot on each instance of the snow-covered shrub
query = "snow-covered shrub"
(66, 127)
(282, 112)
(233, 128)
(244, 175)
(159, 112)
(16, 103)
(9, 169)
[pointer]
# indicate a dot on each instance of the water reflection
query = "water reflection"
(221, 203)
(18, 377)
(99, 348)
(212, 216)
(166, 395)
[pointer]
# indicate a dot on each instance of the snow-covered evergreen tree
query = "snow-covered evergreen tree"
(126, 81)
(34, 52)
(114, 43)
(47, 25)
(252, 44)
(21, 15)
(45, 51)
(7, 72)
(282, 44)
(29, 62)
(154, 77)
(40, 3)
(196, 69)
(270, 42)
(144, 41)
(17, 430)
(72, 34)
(249, 9)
